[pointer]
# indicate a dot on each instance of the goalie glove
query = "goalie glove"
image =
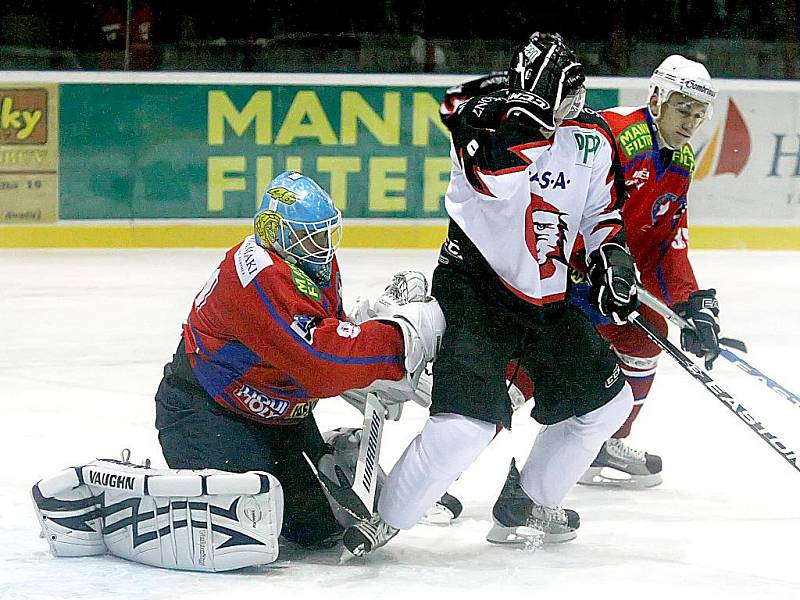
(392, 394)
(701, 309)
(406, 286)
(612, 275)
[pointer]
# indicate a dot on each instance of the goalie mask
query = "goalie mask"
(298, 219)
(545, 66)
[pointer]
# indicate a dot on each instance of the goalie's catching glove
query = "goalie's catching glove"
(701, 309)
(612, 276)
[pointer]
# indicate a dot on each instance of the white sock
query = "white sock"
(447, 445)
(562, 452)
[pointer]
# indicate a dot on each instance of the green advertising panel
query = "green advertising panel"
(154, 151)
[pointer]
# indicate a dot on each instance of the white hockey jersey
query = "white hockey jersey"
(524, 203)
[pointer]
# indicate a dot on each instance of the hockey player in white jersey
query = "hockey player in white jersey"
(530, 171)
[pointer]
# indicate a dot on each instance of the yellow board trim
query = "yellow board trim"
(201, 236)
(355, 236)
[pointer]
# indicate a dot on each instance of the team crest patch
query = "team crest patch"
(304, 326)
(281, 194)
(303, 283)
(635, 139)
(267, 224)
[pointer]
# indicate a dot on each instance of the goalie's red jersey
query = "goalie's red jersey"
(266, 342)
(657, 181)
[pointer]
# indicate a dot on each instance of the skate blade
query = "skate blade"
(528, 538)
(614, 478)
(438, 516)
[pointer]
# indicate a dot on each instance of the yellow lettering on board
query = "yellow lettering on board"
(436, 177)
(381, 183)
(263, 176)
(219, 182)
(354, 109)
(294, 163)
(339, 167)
(426, 111)
(306, 106)
(221, 111)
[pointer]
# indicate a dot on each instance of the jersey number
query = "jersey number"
(681, 240)
(202, 297)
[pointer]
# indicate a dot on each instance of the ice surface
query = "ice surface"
(84, 336)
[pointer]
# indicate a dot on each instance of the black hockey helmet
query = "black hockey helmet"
(546, 67)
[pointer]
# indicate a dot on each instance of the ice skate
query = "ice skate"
(518, 520)
(444, 512)
(364, 537)
(619, 465)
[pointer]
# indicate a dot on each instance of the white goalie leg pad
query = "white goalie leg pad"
(69, 514)
(205, 520)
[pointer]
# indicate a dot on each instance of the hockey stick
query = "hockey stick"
(648, 299)
(670, 315)
(358, 500)
(366, 479)
(770, 383)
(703, 377)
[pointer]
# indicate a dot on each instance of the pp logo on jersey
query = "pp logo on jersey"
(348, 330)
(588, 145)
(281, 194)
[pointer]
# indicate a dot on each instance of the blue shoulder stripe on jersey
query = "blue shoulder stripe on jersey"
(679, 170)
(369, 360)
(226, 365)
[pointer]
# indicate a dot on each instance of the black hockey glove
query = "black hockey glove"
(702, 309)
(612, 276)
(458, 94)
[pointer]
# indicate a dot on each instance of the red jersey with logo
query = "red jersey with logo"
(266, 342)
(657, 181)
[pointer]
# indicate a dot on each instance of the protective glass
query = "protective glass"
(571, 105)
(316, 242)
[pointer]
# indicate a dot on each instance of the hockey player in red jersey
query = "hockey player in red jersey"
(266, 338)
(658, 162)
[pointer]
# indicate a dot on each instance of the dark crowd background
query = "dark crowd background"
(735, 38)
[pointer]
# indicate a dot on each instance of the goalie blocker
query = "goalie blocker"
(205, 520)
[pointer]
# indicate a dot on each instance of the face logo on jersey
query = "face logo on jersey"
(281, 194)
(267, 224)
(663, 204)
(545, 228)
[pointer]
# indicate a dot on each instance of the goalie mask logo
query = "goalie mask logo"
(545, 229)
(267, 224)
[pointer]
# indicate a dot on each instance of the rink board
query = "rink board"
(179, 159)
